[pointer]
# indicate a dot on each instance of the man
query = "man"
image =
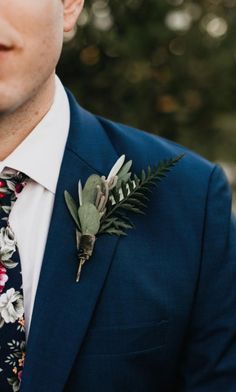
(153, 311)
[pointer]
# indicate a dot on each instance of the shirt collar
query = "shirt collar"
(40, 154)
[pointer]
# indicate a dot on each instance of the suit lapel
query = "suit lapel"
(63, 308)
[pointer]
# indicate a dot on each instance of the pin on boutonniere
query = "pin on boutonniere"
(104, 201)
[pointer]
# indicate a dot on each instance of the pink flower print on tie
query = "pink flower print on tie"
(3, 278)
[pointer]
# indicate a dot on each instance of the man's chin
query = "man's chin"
(9, 100)
(7, 107)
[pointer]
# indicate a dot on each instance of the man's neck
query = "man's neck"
(16, 126)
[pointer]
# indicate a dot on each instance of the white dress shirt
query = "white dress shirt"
(40, 157)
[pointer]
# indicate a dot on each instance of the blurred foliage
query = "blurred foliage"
(165, 66)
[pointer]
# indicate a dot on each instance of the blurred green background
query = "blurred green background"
(165, 66)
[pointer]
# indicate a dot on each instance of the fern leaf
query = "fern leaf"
(124, 189)
(136, 180)
(132, 195)
(115, 193)
(142, 196)
(122, 225)
(143, 175)
(131, 185)
(137, 202)
(115, 231)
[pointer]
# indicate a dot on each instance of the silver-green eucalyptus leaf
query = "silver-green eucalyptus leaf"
(80, 193)
(124, 174)
(125, 169)
(71, 204)
(89, 193)
(89, 218)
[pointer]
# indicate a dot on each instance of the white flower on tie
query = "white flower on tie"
(7, 243)
(11, 306)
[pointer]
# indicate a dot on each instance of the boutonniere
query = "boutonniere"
(104, 201)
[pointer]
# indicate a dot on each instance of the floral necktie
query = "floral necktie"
(12, 331)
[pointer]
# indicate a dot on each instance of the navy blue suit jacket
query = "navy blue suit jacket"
(153, 311)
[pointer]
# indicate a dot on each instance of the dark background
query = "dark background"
(165, 66)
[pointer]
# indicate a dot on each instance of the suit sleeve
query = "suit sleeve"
(209, 360)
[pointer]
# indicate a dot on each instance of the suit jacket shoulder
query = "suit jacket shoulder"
(145, 148)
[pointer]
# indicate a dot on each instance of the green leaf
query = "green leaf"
(141, 195)
(131, 185)
(115, 232)
(124, 189)
(89, 219)
(143, 176)
(125, 169)
(123, 174)
(71, 204)
(105, 225)
(130, 207)
(115, 193)
(125, 219)
(126, 178)
(126, 206)
(118, 222)
(136, 179)
(146, 188)
(137, 202)
(89, 193)
(138, 211)
(123, 225)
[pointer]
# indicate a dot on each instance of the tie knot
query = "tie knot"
(11, 184)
